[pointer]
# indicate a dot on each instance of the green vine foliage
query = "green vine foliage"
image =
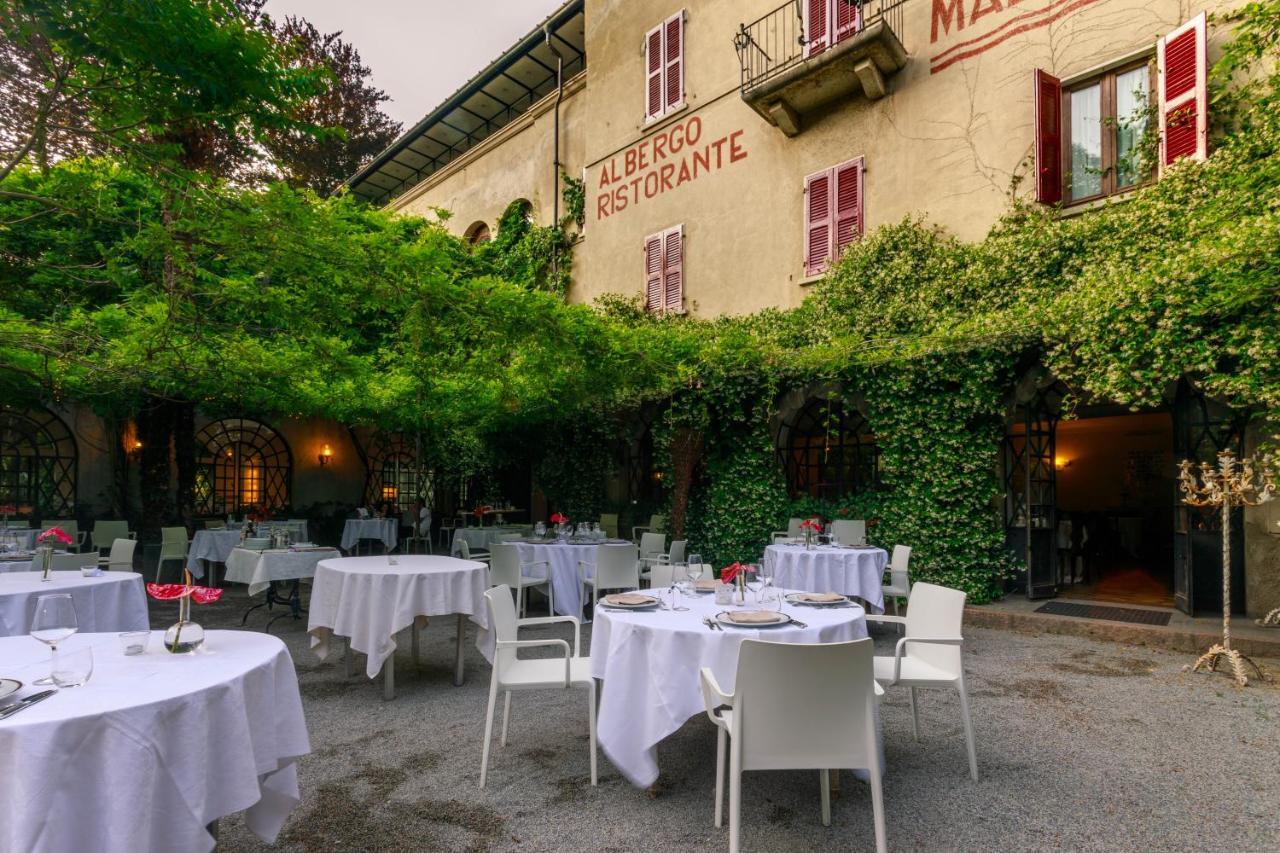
(574, 193)
(536, 257)
(574, 467)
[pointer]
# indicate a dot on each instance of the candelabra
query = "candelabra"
(1231, 484)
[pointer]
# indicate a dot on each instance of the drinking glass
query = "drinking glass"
(755, 582)
(53, 622)
(676, 570)
(695, 559)
(73, 668)
(693, 570)
(540, 530)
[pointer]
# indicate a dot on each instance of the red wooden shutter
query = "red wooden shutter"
(846, 16)
(673, 269)
(653, 72)
(1183, 93)
(653, 273)
(673, 70)
(816, 26)
(817, 221)
(848, 206)
(1048, 147)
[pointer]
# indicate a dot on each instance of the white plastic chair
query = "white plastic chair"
(173, 546)
(657, 524)
(796, 707)
(121, 557)
(899, 585)
(849, 532)
(609, 524)
(616, 567)
(464, 551)
(929, 655)
(511, 673)
(661, 575)
(71, 562)
(505, 569)
(792, 532)
(676, 554)
(105, 533)
(652, 547)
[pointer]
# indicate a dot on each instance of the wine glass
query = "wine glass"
(676, 570)
(693, 571)
(755, 581)
(540, 530)
(53, 622)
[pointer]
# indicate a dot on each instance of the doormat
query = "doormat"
(1100, 611)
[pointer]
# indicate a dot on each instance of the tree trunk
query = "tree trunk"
(155, 431)
(184, 455)
(686, 453)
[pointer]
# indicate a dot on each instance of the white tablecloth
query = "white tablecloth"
(828, 568)
(384, 529)
(153, 748)
(368, 601)
(23, 537)
(212, 545)
(14, 565)
(259, 568)
(483, 537)
(114, 602)
(649, 662)
(563, 557)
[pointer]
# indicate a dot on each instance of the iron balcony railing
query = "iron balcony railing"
(776, 42)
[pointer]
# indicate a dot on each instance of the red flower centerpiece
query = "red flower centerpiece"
(185, 635)
(559, 518)
(46, 541)
(811, 528)
(736, 574)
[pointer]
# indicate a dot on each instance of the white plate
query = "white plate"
(723, 618)
(794, 598)
(9, 686)
(645, 606)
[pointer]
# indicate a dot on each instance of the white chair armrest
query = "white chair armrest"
(881, 617)
(635, 532)
(901, 648)
(533, 644)
(713, 695)
(582, 576)
(551, 620)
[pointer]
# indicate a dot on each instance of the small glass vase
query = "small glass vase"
(808, 540)
(184, 636)
(44, 559)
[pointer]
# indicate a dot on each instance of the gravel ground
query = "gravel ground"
(1082, 745)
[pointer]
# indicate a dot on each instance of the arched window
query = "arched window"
(477, 233)
(393, 472)
(829, 451)
(241, 464)
(37, 462)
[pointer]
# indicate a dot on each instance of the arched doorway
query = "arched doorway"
(38, 463)
(828, 450)
(241, 464)
(393, 472)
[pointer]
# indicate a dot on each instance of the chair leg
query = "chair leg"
(824, 781)
(915, 715)
(735, 796)
(968, 728)
(551, 595)
(506, 717)
(721, 736)
(877, 807)
(488, 728)
(591, 729)
(520, 601)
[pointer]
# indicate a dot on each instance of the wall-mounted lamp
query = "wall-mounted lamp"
(326, 455)
(1061, 462)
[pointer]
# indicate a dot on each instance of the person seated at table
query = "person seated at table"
(423, 514)
(386, 510)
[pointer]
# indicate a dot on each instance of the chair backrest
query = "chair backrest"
(502, 622)
(849, 532)
(935, 611)
(256, 544)
(504, 565)
(215, 524)
(18, 524)
(107, 532)
(658, 523)
(68, 525)
(121, 557)
(616, 567)
(609, 523)
(173, 542)
(898, 574)
(652, 544)
(661, 575)
(805, 705)
(510, 537)
(679, 547)
(464, 549)
(72, 562)
(793, 527)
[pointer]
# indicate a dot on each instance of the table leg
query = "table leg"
(459, 669)
(389, 679)
(415, 642)
(347, 656)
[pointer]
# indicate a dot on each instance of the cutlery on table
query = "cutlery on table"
(9, 710)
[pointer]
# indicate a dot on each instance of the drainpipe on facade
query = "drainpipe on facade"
(555, 184)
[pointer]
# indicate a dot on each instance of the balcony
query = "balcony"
(787, 74)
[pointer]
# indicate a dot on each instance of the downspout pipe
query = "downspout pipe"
(555, 197)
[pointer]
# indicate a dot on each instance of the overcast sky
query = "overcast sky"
(421, 51)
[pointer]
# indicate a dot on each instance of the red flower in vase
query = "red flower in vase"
(811, 524)
(55, 534)
(729, 572)
(559, 518)
(174, 591)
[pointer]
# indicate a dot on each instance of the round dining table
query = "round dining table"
(385, 530)
(368, 600)
(649, 661)
(854, 570)
(212, 546)
(114, 601)
(563, 558)
(153, 749)
(14, 563)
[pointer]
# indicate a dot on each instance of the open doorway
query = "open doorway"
(1115, 502)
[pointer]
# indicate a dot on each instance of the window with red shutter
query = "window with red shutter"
(847, 17)
(654, 67)
(817, 222)
(817, 19)
(673, 70)
(1048, 147)
(848, 204)
(653, 255)
(1182, 91)
(673, 269)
